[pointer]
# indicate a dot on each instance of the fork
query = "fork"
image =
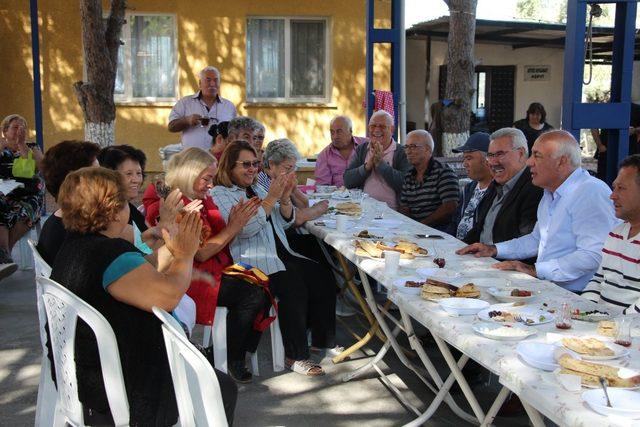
(520, 319)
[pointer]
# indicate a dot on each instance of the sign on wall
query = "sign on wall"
(537, 73)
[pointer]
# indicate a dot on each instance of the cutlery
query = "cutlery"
(429, 236)
(603, 383)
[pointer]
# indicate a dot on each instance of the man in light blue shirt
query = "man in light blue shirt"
(575, 216)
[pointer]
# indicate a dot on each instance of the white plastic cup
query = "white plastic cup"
(341, 223)
(391, 263)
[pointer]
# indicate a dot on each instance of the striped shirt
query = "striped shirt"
(439, 185)
(264, 181)
(616, 284)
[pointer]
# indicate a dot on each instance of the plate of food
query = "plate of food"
(590, 315)
(435, 290)
(499, 332)
(511, 294)
(369, 233)
(590, 372)
(590, 348)
(488, 282)
(342, 194)
(348, 208)
(509, 313)
(411, 285)
(374, 249)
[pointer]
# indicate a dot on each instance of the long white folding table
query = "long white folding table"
(539, 392)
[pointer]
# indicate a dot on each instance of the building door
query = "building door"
(494, 100)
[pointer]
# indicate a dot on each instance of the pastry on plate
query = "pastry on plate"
(587, 346)
(589, 372)
(467, 291)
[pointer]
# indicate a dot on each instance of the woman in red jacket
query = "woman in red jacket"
(192, 171)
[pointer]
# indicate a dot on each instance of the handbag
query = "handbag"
(24, 168)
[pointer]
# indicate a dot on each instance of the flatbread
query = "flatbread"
(587, 346)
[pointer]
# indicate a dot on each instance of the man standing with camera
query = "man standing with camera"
(193, 114)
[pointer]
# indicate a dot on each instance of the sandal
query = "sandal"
(304, 367)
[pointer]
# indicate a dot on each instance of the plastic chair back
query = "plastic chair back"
(194, 381)
(63, 309)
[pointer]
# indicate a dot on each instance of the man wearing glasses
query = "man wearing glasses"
(430, 192)
(508, 209)
(379, 165)
(247, 129)
(193, 114)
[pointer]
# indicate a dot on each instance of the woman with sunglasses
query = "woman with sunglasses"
(305, 289)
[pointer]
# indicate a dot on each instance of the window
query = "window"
(147, 61)
(288, 60)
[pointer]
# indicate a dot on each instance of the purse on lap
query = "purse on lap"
(24, 168)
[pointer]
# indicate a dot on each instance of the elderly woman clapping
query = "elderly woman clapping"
(306, 290)
(280, 158)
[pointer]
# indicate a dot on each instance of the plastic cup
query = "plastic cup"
(391, 263)
(341, 223)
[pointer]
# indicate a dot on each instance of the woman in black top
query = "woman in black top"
(535, 124)
(115, 278)
(58, 162)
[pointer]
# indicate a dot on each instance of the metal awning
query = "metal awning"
(522, 34)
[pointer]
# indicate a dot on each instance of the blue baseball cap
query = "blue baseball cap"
(479, 141)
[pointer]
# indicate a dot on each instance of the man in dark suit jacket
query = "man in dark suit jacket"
(509, 208)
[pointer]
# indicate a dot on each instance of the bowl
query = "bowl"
(462, 306)
(538, 354)
(625, 403)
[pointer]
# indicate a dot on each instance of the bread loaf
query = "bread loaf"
(590, 372)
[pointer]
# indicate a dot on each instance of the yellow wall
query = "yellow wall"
(207, 35)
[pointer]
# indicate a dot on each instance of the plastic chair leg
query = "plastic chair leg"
(254, 364)
(220, 339)
(277, 346)
(47, 396)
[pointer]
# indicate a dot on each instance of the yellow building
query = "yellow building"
(291, 64)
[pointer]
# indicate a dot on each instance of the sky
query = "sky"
(425, 10)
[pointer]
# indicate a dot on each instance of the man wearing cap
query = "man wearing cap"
(509, 208)
(430, 191)
(474, 160)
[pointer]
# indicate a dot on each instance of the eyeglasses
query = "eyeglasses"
(246, 164)
(413, 147)
(499, 154)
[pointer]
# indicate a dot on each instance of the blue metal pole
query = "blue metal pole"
(368, 95)
(37, 91)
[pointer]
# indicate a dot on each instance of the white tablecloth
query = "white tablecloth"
(534, 386)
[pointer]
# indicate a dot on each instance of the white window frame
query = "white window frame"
(288, 99)
(127, 97)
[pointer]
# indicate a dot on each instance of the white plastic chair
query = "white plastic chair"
(217, 335)
(63, 309)
(47, 393)
(194, 381)
(277, 346)
(25, 260)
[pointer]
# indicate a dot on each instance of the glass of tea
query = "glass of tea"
(563, 317)
(623, 331)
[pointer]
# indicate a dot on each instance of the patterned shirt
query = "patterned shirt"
(198, 136)
(439, 185)
(616, 284)
(467, 220)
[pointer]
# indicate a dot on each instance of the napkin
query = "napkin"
(569, 382)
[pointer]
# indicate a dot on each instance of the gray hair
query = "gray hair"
(240, 123)
(346, 119)
(566, 145)
(518, 140)
(424, 135)
(385, 114)
(278, 151)
(258, 126)
(207, 69)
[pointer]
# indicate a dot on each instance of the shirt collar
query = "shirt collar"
(565, 187)
(507, 186)
(353, 141)
(198, 95)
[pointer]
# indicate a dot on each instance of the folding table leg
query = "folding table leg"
(535, 417)
(497, 404)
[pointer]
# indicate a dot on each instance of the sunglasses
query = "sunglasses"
(246, 164)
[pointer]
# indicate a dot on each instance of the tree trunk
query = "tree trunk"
(100, 44)
(460, 72)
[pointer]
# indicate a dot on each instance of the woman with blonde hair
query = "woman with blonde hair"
(306, 290)
(191, 172)
(20, 210)
(115, 278)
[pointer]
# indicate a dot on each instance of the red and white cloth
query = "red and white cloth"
(383, 100)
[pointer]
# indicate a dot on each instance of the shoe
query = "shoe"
(5, 257)
(7, 269)
(239, 372)
(331, 352)
(304, 367)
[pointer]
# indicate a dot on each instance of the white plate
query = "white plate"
(538, 354)
(618, 350)
(527, 313)
(399, 284)
(504, 294)
(502, 332)
(378, 232)
(624, 403)
(437, 273)
(462, 306)
(486, 282)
